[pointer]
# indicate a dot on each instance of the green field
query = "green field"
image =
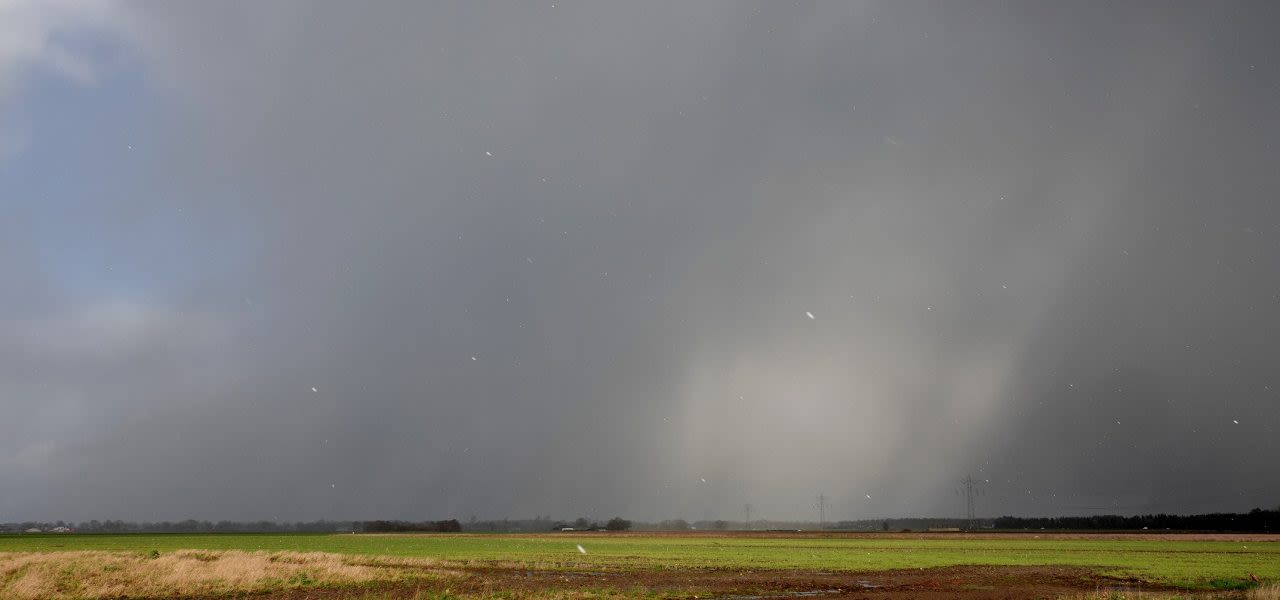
(1190, 563)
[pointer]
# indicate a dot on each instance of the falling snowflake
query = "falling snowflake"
(1235, 421)
(810, 315)
(704, 479)
(581, 549)
(473, 358)
(868, 496)
(488, 153)
(313, 388)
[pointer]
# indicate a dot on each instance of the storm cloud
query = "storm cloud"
(328, 259)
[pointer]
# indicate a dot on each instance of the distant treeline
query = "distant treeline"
(194, 526)
(386, 526)
(1254, 520)
(619, 524)
(187, 526)
(909, 524)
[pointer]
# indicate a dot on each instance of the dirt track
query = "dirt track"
(974, 583)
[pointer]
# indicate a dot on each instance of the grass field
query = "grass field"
(1189, 563)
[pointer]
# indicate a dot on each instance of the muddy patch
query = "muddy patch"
(975, 583)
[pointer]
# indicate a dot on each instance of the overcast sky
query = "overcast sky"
(294, 260)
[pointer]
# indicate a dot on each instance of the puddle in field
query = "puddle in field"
(807, 594)
(567, 574)
(1123, 589)
(580, 575)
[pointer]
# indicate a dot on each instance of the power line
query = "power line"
(969, 512)
(822, 511)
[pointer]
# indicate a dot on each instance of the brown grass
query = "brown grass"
(1266, 592)
(1262, 593)
(1134, 595)
(93, 575)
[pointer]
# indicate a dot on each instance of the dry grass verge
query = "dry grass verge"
(94, 575)
(1266, 592)
(1259, 593)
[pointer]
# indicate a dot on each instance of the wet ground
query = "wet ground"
(969, 582)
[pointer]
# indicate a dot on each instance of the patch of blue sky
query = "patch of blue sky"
(107, 212)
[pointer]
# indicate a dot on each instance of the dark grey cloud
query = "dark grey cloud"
(562, 259)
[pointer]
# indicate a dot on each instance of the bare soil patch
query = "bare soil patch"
(968, 582)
